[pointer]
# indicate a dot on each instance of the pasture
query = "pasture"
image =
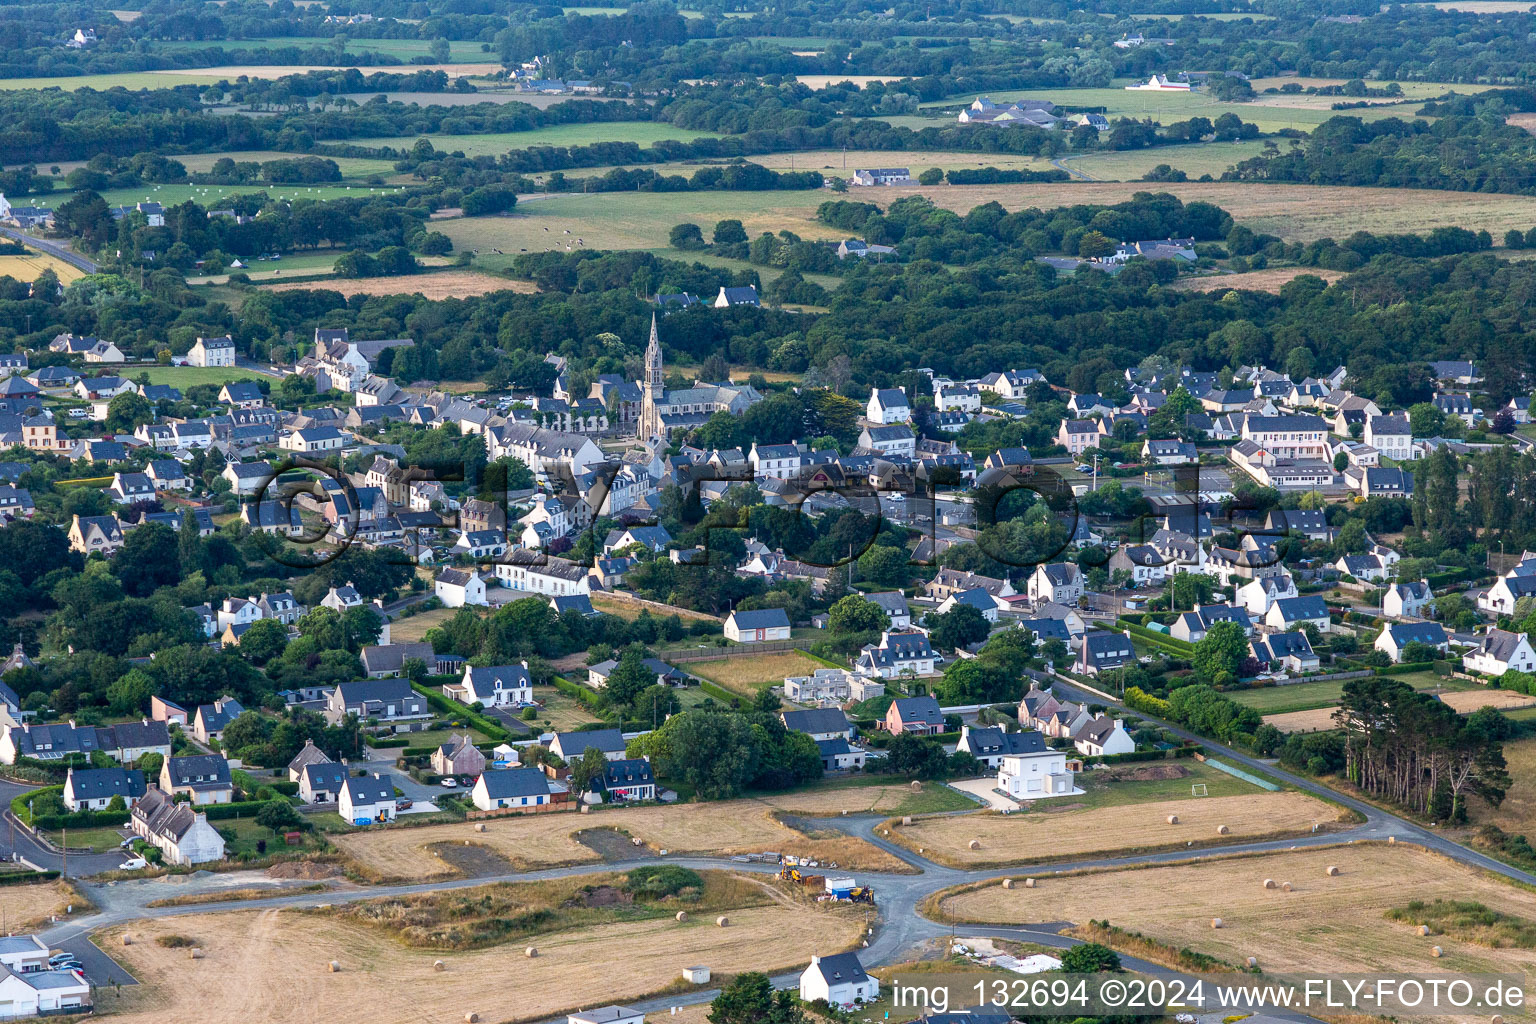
(211, 195)
(748, 675)
(1268, 700)
(642, 133)
(1203, 158)
(278, 960)
(459, 50)
(633, 220)
(1271, 280)
(1039, 837)
(201, 163)
(1326, 924)
(547, 840)
(191, 376)
(1465, 701)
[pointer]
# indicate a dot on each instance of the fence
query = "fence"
(560, 806)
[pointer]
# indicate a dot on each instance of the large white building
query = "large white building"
(841, 980)
(212, 352)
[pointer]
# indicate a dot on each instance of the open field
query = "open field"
(24, 908)
(546, 840)
(1484, 6)
(1040, 837)
(189, 376)
(561, 712)
(1271, 280)
(640, 132)
(199, 163)
(1464, 701)
(748, 675)
(1324, 925)
(459, 50)
(212, 76)
(628, 220)
(204, 195)
(1269, 700)
(833, 163)
(278, 960)
(631, 609)
(870, 795)
(273, 71)
(1517, 814)
(26, 268)
(446, 284)
(414, 628)
(1131, 165)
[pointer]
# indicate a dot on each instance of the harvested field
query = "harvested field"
(447, 284)
(26, 268)
(1517, 814)
(413, 628)
(630, 608)
(273, 71)
(829, 801)
(277, 960)
(1041, 837)
(1326, 924)
(27, 907)
(1316, 720)
(1526, 121)
(748, 675)
(1462, 701)
(1268, 280)
(546, 840)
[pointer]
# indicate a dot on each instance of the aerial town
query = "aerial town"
(767, 514)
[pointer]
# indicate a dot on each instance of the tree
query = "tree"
(1219, 654)
(263, 641)
(1089, 958)
(961, 626)
(856, 614)
(629, 678)
(127, 412)
(148, 560)
(931, 176)
(1504, 422)
(685, 236)
(278, 815)
(884, 564)
(1094, 244)
(130, 693)
(729, 232)
(917, 757)
(586, 769)
(750, 999)
(440, 50)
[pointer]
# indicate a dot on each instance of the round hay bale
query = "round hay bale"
(919, 849)
(195, 953)
(438, 965)
(1436, 952)
(584, 809)
(906, 819)
(1333, 869)
(468, 843)
(636, 841)
(1007, 883)
(471, 1017)
(1215, 922)
(1222, 830)
(1391, 840)
(682, 915)
(1285, 886)
(916, 786)
(479, 826)
(1269, 883)
(1497, 1018)
(335, 967)
(1253, 961)
(722, 921)
(975, 844)
(127, 940)
(1423, 929)
(1029, 883)
(1173, 819)
(531, 952)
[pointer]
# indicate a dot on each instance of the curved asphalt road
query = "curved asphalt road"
(64, 253)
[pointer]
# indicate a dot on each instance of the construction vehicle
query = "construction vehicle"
(788, 874)
(861, 894)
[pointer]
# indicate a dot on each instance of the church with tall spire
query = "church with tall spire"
(663, 411)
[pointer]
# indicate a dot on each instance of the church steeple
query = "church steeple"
(654, 375)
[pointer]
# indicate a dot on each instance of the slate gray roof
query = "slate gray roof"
(368, 789)
(515, 782)
(609, 741)
(199, 771)
(105, 783)
(816, 720)
(918, 709)
(762, 618)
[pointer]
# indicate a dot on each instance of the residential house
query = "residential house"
(1379, 481)
(918, 715)
(212, 352)
(388, 701)
(88, 534)
(990, 744)
(1291, 613)
(1260, 595)
(1077, 436)
(456, 588)
(978, 599)
(458, 757)
(1059, 582)
(1144, 563)
(204, 778)
(897, 439)
(1102, 652)
(312, 440)
(1035, 775)
(1396, 636)
(549, 576)
(182, 835)
(1101, 736)
(742, 296)
(897, 655)
(597, 675)
(247, 478)
(47, 742)
(366, 800)
(818, 723)
(840, 980)
(1291, 652)
(1390, 435)
(498, 686)
(1169, 453)
(1406, 600)
(320, 781)
(210, 720)
(626, 780)
(92, 789)
(1192, 626)
(756, 626)
(511, 787)
(1499, 651)
(882, 176)
(894, 605)
(953, 581)
(570, 745)
(887, 405)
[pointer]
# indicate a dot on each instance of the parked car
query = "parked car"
(403, 804)
(60, 958)
(133, 864)
(449, 782)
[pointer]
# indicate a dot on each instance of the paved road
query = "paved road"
(15, 842)
(1064, 163)
(68, 255)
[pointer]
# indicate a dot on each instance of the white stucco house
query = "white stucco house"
(841, 980)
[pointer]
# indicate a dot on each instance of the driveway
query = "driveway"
(985, 790)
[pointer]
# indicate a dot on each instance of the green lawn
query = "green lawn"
(99, 839)
(1204, 158)
(494, 144)
(199, 163)
(436, 738)
(1101, 792)
(132, 80)
(190, 376)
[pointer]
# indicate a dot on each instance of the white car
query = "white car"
(449, 782)
(133, 864)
